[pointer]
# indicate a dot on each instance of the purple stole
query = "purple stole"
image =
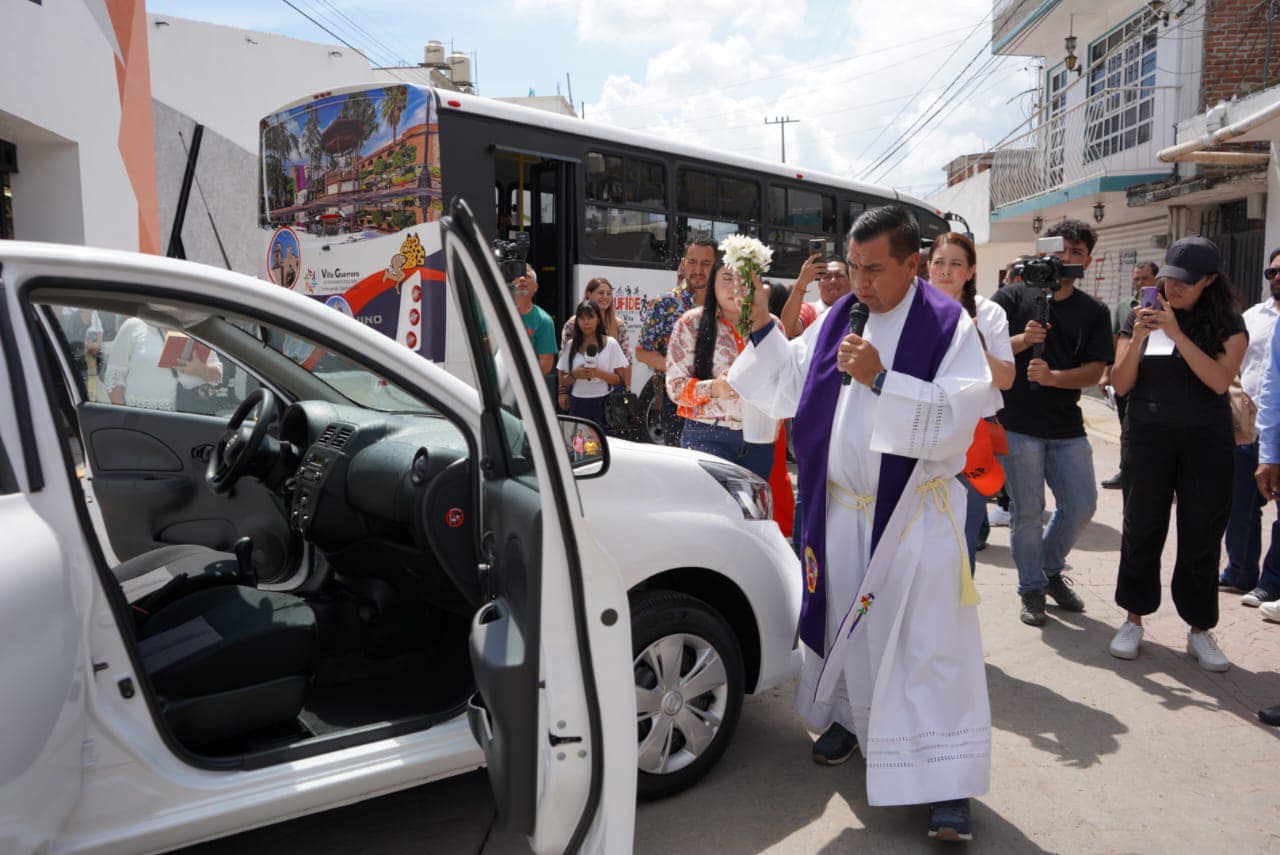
(926, 337)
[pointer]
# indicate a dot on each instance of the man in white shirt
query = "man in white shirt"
(1244, 529)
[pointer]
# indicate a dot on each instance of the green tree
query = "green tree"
(395, 100)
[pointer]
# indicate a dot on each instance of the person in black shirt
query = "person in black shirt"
(1176, 363)
(1047, 442)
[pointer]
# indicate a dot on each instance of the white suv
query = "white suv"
(330, 570)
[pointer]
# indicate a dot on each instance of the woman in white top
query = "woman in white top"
(134, 376)
(590, 362)
(953, 265)
(600, 292)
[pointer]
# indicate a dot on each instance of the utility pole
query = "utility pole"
(782, 122)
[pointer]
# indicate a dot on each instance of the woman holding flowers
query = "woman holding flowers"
(704, 344)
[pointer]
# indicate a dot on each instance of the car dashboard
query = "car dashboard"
(379, 493)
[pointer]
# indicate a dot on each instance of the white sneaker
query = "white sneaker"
(1270, 611)
(1127, 641)
(997, 516)
(1203, 648)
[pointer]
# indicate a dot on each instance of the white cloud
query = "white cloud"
(847, 72)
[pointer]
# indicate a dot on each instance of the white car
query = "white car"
(384, 577)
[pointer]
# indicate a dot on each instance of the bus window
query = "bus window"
(715, 206)
(799, 216)
(626, 210)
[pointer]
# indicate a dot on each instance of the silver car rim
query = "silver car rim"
(682, 690)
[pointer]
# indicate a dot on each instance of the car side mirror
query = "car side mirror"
(585, 442)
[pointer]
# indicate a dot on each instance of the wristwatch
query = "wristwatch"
(877, 385)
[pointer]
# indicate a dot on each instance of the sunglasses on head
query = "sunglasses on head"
(1271, 272)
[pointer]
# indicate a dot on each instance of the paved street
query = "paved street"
(1091, 754)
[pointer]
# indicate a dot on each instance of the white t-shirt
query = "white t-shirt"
(1260, 321)
(609, 359)
(993, 323)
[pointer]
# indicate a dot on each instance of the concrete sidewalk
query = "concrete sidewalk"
(1091, 754)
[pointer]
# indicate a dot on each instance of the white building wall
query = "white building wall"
(228, 79)
(60, 106)
(971, 199)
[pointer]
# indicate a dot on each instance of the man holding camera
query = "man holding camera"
(692, 278)
(1055, 359)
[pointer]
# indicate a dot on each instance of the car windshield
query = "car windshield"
(352, 380)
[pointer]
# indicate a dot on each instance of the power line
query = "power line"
(338, 37)
(806, 67)
(925, 85)
(369, 36)
(914, 59)
(917, 123)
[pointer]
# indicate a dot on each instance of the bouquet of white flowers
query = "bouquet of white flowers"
(748, 257)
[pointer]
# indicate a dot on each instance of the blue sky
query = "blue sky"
(856, 73)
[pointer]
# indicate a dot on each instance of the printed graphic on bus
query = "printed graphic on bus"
(351, 187)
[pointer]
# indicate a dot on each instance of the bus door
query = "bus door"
(551, 234)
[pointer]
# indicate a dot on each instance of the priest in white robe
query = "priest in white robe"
(892, 643)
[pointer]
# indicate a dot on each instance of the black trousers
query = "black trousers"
(1159, 462)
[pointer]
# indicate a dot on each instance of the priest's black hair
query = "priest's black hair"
(892, 220)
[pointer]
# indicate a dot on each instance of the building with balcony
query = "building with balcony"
(1117, 78)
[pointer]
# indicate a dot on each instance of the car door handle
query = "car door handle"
(202, 452)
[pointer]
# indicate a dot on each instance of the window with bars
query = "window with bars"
(1122, 79)
(1056, 125)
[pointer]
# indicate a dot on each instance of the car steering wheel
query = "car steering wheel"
(234, 451)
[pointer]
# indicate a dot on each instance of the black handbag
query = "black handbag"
(622, 416)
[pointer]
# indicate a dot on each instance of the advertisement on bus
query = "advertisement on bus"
(351, 187)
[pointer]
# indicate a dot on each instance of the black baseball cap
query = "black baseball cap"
(1190, 260)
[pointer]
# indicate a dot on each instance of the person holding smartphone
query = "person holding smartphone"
(1143, 276)
(1176, 361)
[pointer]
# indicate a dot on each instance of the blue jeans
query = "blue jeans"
(975, 514)
(1244, 527)
(726, 443)
(1066, 466)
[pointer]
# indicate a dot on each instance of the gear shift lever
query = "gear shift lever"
(243, 550)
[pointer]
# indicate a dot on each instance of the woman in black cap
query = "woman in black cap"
(1176, 361)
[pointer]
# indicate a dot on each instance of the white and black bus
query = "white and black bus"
(353, 179)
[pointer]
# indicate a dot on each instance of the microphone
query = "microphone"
(589, 361)
(857, 323)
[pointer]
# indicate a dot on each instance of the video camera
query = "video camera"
(511, 256)
(1047, 271)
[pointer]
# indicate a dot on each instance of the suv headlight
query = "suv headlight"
(748, 489)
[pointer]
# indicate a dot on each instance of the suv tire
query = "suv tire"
(680, 643)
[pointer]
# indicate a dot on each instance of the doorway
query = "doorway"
(534, 196)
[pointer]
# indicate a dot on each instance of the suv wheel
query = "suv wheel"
(689, 687)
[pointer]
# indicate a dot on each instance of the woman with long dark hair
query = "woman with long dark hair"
(953, 267)
(704, 343)
(600, 291)
(589, 363)
(1175, 359)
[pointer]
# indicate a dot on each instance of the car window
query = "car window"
(8, 481)
(134, 362)
(495, 367)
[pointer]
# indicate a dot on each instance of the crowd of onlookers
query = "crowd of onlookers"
(1184, 369)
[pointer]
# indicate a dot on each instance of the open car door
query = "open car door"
(551, 645)
(43, 606)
